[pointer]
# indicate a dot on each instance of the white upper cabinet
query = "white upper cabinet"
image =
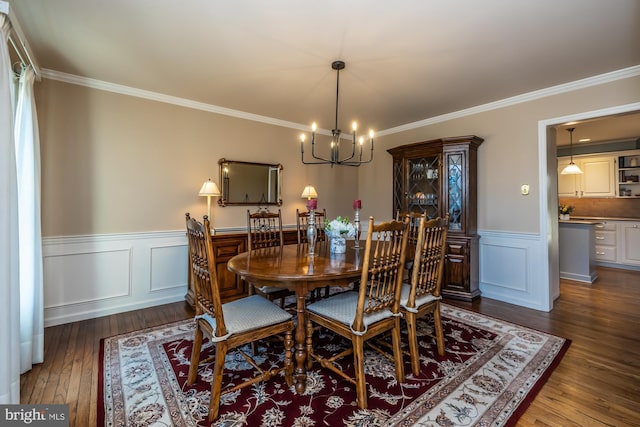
(597, 180)
(599, 177)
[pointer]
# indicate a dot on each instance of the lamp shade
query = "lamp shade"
(309, 192)
(209, 188)
(571, 169)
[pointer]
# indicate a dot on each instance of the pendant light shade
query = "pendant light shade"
(571, 168)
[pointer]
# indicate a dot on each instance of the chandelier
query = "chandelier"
(352, 159)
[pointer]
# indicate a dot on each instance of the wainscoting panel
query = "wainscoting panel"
(100, 275)
(165, 274)
(94, 276)
(512, 269)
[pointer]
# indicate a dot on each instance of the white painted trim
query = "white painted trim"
(4, 7)
(526, 97)
(548, 214)
(183, 102)
(519, 99)
(510, 269)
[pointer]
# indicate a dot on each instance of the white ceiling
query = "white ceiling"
(406, 60)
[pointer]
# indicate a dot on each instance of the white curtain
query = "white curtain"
(29, 230)
(9, 264)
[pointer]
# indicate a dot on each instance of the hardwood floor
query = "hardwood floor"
(596, 384)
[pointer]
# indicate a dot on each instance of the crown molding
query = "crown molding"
(518, 99)
(156, 96)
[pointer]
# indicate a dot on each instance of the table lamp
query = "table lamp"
(209, 189)
(309, 193)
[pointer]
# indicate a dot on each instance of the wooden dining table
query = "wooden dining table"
(292, 268)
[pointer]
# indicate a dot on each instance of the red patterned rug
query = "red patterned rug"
(490, 373)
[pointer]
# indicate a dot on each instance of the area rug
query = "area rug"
(490, 373)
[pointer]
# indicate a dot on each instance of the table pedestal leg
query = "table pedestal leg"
(300, 373)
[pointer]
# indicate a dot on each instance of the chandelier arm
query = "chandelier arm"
(313, 155)
(353, 153)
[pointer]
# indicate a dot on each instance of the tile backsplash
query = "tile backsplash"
(603, 207)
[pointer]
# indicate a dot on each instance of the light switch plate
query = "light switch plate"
(524, 189)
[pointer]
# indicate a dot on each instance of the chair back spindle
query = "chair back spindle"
(382, 270)
(202, 262)
(429, 258)
(264, 229)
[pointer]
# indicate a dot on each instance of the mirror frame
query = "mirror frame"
(224, 183)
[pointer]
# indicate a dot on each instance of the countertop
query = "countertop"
(580, 221)
(600, 218)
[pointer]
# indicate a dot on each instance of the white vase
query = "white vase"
(338, 245)
(565, 217)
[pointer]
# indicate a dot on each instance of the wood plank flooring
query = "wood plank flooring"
(596, 384)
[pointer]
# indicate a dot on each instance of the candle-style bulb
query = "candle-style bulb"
(302, 137)
(314, 126)
(354, 126)
(361, 140)
(371, 134)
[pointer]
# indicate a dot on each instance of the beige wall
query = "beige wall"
(507, 158)
(115, 164)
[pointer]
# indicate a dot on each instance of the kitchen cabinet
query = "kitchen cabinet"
(597, 180)
(630, 242)
(606, 234)
(617, 243)
(437, 177)
(629, 175)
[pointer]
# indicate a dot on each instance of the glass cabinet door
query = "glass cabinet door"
(455, 188)
(423, 185)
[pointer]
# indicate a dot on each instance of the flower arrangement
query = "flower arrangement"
(565, 209)
(339, 227)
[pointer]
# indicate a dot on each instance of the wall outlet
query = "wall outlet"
(524, 190)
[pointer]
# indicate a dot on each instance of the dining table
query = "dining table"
(291, 267)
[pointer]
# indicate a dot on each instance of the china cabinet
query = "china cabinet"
(438, 177)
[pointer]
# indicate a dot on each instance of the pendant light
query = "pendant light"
(571, 168)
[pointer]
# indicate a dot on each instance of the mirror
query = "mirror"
(246, 183)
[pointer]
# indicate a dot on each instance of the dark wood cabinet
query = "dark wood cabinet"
(437, 177)
(225, 247)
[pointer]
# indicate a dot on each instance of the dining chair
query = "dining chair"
(302, 224)
(230, 325)
(421, 295)
(264, 230)
(373, 309)
(412, 238)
